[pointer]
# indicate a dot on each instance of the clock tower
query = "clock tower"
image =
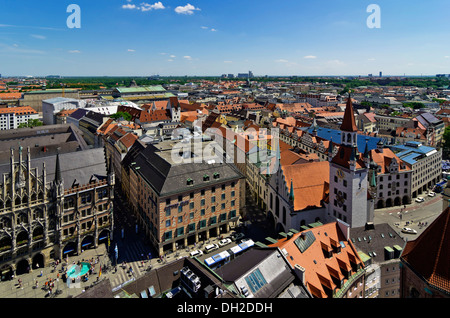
(348, 199)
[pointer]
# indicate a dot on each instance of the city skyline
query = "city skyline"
(210, 38)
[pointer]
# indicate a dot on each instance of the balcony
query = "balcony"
(339, 293)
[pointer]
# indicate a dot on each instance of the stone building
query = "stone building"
(183, 200)
(52, 206)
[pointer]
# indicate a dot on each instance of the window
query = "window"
(191, 227)
(213, 199)
(180, 231)
(191, 205)
(255, 281)
(202, 202)
(232, 194)
(223, 196)
(180, 219)
(191, 215)
(167, 223)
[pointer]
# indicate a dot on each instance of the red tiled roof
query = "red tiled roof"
(23, 110)
(348, 122)
(308, 181)
(154, 115)
(342, 158)
(320, 270)
(429, 253)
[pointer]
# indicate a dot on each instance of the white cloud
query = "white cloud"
(169, 60)
(187, 9)
(144, 6)
(37, 36)
(129, 6)
(447, 57)
(172, 56)
(74, 51)
(310, 57)
(213, 30)
(187, 57)
(281, 61)
(156, 6)
(228, 61)
(204, 27)
(371, 59)
(131, 50)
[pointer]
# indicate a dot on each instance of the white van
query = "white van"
(211, 247)
(196, 253)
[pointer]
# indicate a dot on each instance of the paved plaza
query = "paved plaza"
(136, 252)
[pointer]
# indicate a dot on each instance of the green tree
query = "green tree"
(30, 123)
(446, 138)
(123, 115)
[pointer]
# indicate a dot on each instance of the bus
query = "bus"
(225, 257)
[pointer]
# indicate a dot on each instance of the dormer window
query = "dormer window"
(216, 175)
(190, 181)
(205, 177)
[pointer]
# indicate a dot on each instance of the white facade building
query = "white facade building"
(11, 118)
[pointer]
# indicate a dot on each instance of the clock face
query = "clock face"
(340, 174)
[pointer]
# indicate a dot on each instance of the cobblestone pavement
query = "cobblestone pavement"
(411, 216)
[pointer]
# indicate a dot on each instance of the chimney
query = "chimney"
(300, 273)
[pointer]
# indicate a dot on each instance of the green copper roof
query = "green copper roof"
(140, 89)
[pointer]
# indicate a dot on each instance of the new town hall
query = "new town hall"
(52, 204)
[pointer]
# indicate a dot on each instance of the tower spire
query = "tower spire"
(58, 177)
(291, 192)
(349, 123)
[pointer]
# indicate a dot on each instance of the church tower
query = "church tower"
(349, 176)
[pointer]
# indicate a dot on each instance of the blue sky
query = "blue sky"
(212, 37)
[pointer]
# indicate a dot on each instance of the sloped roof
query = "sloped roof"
(349, 122)
(429, 253)
(308, 253)
(308, 181)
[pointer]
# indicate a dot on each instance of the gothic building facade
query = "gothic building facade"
(52, 207)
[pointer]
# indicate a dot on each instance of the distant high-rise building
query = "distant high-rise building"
(381, 74)
(250, 74)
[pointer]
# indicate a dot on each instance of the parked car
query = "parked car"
(196, 253)
(419, 199)
(211, 247)
(409, 230)
(431, 194)
(237, 236)
(224, 242)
